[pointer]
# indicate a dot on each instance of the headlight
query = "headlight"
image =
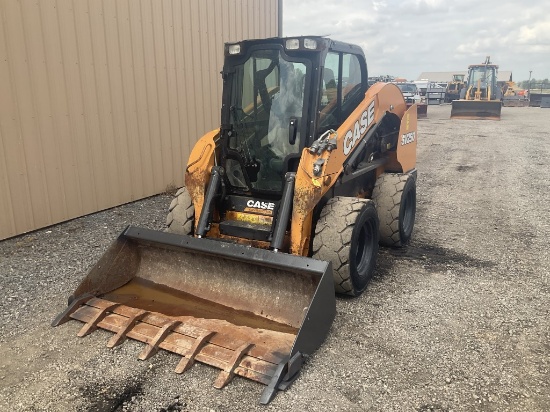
(310, 44)
(234, 49)
(292, 44)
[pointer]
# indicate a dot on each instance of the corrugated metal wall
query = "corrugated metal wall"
(101, 100)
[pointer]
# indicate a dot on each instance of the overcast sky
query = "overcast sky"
(405, 38)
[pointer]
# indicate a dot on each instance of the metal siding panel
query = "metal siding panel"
(173, 142)
(28, 132)
(189, 80)
(114, 73)
(232, 20)
(159, 57)
(148, 172)
(102, 100)
(15, 208)
(208, 35)
(55, 69)
(46, 155)
(205, 70)
(219, 48)
(135, 185)
(86, 28)
(239, 17)
(162, 87)
(79, 134)
(196, 74)
(151, 89)
(7, 217)
(107, 135)
(182, 151)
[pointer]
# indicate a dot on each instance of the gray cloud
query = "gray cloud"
(405, 38)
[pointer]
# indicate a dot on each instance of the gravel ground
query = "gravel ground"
(457, 321)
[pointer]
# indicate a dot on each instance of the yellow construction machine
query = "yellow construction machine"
(513, 96)
(283, 205)
(452, 92)
(481, 97)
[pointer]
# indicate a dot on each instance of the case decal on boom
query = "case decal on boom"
(359, 128)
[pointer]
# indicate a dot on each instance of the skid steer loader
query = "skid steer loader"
(283, 205)
(481, 97)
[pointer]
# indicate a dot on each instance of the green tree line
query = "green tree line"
(535, 84)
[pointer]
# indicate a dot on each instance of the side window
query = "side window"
(328, 114)
(344, 84)
(351, 84)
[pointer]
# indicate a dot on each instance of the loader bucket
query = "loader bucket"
(476, 109)
(247, 311)
(421, 110)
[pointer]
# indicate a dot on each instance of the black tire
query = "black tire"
(181, 214)
(346, 234)
(395, 197)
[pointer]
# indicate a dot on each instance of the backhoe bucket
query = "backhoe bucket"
(476, 109)
(247, 311)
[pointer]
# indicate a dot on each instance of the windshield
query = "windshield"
(483, 74)
(407, 88)
(267, 101)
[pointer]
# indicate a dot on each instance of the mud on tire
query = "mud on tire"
(395, 197)
(181, 214)
(347, 235)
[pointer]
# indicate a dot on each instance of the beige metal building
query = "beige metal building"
(101, 100)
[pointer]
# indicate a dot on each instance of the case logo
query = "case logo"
(359, 128)
(256, 204)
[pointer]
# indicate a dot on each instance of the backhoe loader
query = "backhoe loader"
(452, 92)
(481, 97)
(284, 205)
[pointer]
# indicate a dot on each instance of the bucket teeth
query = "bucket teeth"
(73, 307)
(227, 374)
(187, 361)
(129, 324)
(153, 346)
(193, 343)
(91, 325)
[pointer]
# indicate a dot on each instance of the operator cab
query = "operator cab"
(482, 81)
(279, 96)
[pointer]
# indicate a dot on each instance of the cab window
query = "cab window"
(340, 89)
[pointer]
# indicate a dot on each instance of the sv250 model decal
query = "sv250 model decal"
(408, 138)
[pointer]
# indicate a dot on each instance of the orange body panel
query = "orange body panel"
(197, 173)
(406, 145)
(309, 188)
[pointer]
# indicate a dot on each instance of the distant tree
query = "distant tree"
(524, 84)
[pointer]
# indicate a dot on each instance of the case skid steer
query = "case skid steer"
(481, 97)
(283, 205)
